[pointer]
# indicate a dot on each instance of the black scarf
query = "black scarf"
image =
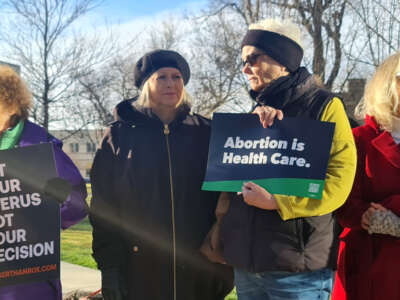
(281, 91)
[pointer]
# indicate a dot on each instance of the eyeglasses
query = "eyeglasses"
(251, 59)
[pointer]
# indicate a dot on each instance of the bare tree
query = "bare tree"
(322, 19)
(378, 30)
(166, 35)
(100, 91)
(41, 38)
(216, 65)
(249, 11)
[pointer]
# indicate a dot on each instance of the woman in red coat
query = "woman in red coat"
(369, 259)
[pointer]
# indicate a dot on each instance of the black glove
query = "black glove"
(112, 285)
(58, 189)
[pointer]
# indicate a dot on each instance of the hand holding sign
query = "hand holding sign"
(255, 195)
(267, 115)
(58, 189)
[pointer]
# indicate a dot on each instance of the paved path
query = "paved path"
(74, 277)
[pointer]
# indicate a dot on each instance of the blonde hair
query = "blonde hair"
(381, 99)
(283, 27)
(144, 97)
(13, 92)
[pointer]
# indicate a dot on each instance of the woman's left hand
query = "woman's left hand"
(366, 216)
(255, 195)
(378, 206)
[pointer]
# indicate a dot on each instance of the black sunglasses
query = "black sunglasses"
(251, 59)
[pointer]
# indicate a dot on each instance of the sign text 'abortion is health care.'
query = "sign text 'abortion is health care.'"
(29, 221)
(290, 157)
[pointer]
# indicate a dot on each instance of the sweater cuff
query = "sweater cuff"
(285, 208)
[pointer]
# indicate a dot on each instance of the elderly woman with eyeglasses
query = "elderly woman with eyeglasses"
(285, 247)
(369, 261)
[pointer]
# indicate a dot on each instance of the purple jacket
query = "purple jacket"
(73, 210)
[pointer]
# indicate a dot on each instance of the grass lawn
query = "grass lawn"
(76, 245)
(231, 296)
(76, 241)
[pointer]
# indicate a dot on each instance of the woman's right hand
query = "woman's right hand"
(267, 114)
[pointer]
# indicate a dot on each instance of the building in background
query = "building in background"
(80, 147)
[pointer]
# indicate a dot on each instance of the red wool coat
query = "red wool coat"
(369, 265)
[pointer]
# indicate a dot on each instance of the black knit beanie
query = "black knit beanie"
(157, 59)
(279, 47)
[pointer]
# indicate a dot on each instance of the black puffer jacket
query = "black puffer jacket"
(149, 214)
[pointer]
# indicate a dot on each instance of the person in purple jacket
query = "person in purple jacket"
(17, 131)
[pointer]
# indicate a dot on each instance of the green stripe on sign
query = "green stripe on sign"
(311, 188)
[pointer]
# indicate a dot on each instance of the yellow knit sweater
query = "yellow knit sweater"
(340, 172)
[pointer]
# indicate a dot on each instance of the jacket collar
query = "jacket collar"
(32, 134)
(384, 143)
(129, 113)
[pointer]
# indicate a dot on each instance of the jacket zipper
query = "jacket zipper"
(166, 133)
(300, 234)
